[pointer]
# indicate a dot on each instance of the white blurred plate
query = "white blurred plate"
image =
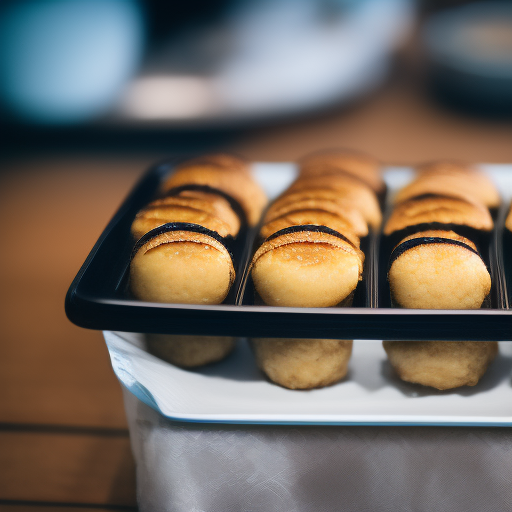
(235, 391)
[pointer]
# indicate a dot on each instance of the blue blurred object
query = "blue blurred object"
(469, 50)
(65, 61)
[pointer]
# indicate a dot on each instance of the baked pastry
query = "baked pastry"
(224, 173)
(190, 351)
(344, 161)
(440, 210)
(318, 199)
(438, 270)
(302, 363)
(205, 209)
(337, 222)
(180, 264)
(441, 364)
(188, 266)
(306, 267)
(453, 179)
(351, 191)
(311, 258)
(182, 254)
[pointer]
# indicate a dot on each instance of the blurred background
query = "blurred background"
(94, 91)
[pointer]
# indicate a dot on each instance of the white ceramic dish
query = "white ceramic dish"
(235, 391)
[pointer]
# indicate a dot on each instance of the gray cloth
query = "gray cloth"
(192, 467)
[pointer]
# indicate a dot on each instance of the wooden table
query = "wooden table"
(63, 438)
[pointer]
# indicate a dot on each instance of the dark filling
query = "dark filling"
(181, 226)
(310, 227)
(235, 205)
(415, 242)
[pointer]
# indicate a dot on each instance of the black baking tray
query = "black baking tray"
(98, 297)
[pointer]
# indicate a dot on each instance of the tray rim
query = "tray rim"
(330, 419)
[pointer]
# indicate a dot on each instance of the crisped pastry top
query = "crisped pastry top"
(439, 209)
(311, 217)
(360, 165)
(440, 233)
(453, 179)
(350, 190)
(208, 210)
(181, 267)
(319, 199)
(235, 181)
(306, 269)
(442, 271)
(311, 237)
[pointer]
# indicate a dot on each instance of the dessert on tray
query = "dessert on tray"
(438, 268)
(183, 250)
(311, 257)
(310, 253)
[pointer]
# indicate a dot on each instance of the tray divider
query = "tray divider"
(372, 285)
(245, 261)
(496, 258)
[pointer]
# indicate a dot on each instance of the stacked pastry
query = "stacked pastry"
(437, 268)
(310, 257)
(182, 253)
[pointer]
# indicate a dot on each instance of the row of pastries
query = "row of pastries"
(183, 253)
(435, 267)
(309, 255)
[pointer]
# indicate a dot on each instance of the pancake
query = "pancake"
(302, 364)
(441, 364)
(438, 270)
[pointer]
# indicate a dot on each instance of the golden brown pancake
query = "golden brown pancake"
(443, 210)
(302, 364)
(439, 275)
(182, 267)
(441, 364)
